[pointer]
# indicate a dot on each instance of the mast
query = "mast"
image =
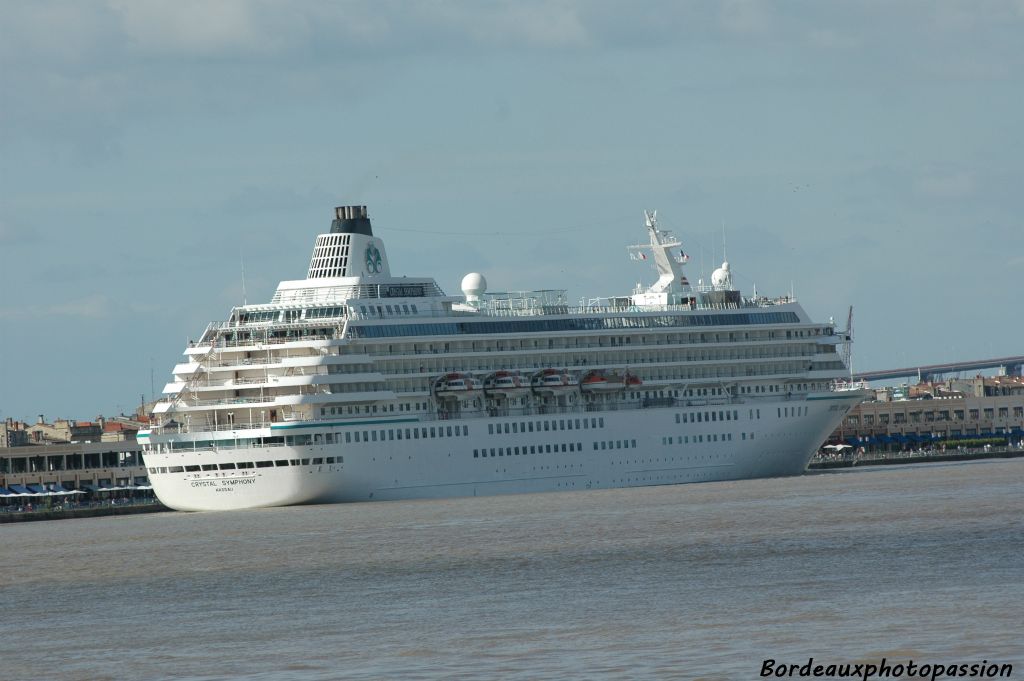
(666, 252)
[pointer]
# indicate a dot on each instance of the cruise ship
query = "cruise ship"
(355, 384)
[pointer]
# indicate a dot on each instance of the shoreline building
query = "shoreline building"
(930, 413)
(84, 459)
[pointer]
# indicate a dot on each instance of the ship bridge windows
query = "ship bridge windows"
(257, 316)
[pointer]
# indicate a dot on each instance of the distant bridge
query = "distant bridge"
(1013, 366)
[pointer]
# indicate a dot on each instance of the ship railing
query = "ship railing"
(262, 380)
(222, 342)
(187, 446)
(547, 310)
(847, 386)
(229, 400)
(249, 361)
(189, 427)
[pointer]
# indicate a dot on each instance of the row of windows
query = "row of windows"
(272, 334)
(190, 445)
(710, 416)
(382, 435)
(578, 324)
(787, 412)
(697, 439)
(326, 312)
(372, 409)
(615, 444)
(529, 449)
(540, 426)
(941, 415)
(244, 465)
(257, 316)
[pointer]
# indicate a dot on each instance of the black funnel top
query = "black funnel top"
(351, 220)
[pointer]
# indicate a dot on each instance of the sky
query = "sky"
(857, 153)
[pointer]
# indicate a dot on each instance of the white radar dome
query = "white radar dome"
(474, 285)
(722, 277)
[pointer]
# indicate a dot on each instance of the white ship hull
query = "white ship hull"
(760, 438)
(353, 385)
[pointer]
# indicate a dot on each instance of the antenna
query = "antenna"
(725, 257)
(847, 347)
(241, 254)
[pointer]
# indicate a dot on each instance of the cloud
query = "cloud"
(557, 24)
(830, 39)
(745, 17)
(956, 185)
(209, 28)
(12, 236)
(96, 306)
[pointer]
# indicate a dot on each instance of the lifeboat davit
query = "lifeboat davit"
(599, 380)
(553, 381)
(505, 383)
(456, 385)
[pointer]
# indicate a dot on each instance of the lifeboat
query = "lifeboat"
(553, 381)
(456, 385)
(505, 383)
(599, 380)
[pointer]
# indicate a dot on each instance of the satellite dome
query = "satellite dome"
(473, 286)
(722, 277)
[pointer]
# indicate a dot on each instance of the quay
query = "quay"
(74, 480)
(953, 420)
(827, 461)
(15, 514)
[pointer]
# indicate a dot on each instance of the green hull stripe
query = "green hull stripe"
(835, 397)
(331, 425)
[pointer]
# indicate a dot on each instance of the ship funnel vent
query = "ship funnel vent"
(351, 220)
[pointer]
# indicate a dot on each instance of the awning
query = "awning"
(89, 487)
(38, 490)
(19, 490)
(60, 490)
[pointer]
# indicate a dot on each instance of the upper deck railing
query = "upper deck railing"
(215, 331)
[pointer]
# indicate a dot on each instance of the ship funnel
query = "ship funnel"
(351, 220)
(350, 249)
